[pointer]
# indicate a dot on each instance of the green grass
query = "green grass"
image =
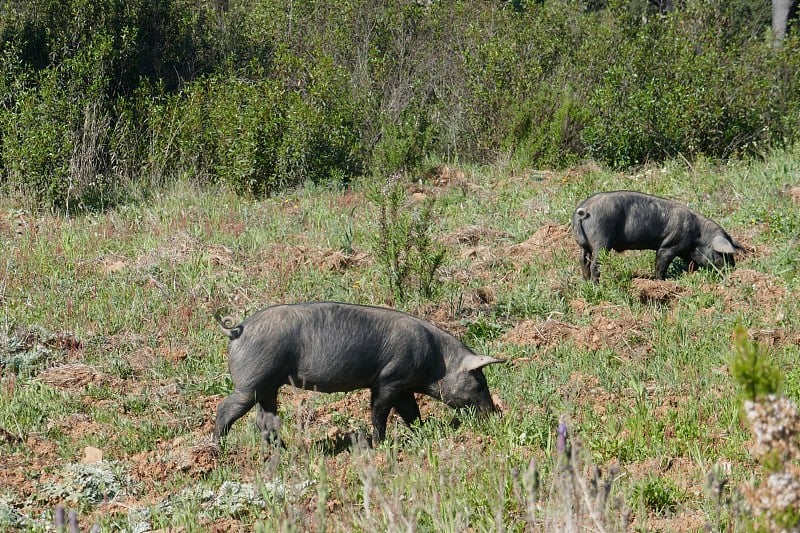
(644, 384)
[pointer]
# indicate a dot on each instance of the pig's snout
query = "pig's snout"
(485, 408)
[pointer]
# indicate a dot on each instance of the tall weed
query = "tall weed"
(404, 245)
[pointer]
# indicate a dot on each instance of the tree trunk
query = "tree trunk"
(781, 11)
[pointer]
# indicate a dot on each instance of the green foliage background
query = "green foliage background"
(104, 99)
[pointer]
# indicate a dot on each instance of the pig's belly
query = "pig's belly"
(321, 383)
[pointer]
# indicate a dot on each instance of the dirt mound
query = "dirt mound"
(540, 333)
(774, 336)
(614, 332)
(657, 291)
(794, 194)
(73, 376)
(442, 317)
(176, 455)
(281, 258)
(472, 235)
(543, 243)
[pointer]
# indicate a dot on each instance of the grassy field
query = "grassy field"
(111, 364)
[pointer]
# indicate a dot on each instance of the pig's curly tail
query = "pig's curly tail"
(228, 327)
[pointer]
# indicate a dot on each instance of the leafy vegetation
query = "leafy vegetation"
(756, 374)
(101, 102)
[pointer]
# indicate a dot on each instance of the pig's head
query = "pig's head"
(464, 385)
(716, 253)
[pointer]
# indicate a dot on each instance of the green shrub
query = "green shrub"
(55, 140)
(547, 130)
(678, 86)
(753, 370)
(403, 245)
(258, 137)
(98, 96)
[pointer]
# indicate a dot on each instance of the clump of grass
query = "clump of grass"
(754, 371)
(656, 494)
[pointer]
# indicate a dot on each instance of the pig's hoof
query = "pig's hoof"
(272, 439)
(359, 440)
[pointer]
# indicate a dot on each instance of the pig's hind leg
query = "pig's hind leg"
(594, 263)
(586, 261)
(230, 410)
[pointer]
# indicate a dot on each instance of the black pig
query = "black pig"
(627, 220)
(337, 347)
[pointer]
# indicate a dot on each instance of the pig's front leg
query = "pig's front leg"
(664, 257)
(267, 418)
(381, 404)
(406, 406)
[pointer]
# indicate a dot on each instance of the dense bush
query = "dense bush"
(101, 97)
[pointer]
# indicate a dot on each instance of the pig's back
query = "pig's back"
(335, 347)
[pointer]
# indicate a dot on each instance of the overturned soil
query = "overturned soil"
(610, 327)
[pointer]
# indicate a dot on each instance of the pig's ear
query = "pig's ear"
(722, 245)
(474, 361)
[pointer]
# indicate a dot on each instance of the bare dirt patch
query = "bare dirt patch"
(611, 327)
(454, 317)
(288, 258)
(444, 176)
(775, 336)
(77, 425)
(538, 333)
(20, 471)
(194, 456)
(744, 289)
(794, 194)
(473, 235)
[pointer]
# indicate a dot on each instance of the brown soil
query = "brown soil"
(443, 176)
(612, 327)
(744, 289)
(548, 240)
(655, 291)
(794, 194)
